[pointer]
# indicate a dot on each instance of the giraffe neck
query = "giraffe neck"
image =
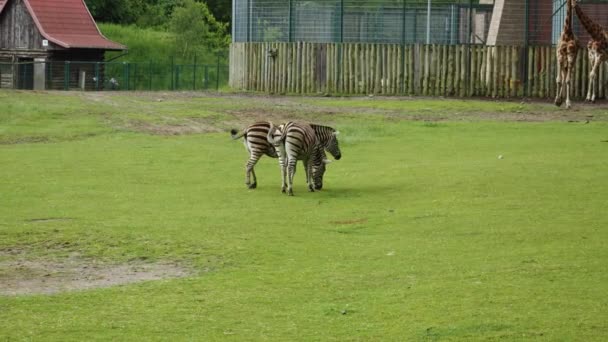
(568, 21)
(595, 30)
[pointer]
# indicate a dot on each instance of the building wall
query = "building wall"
(508, 23)
(17, 28)
(81, 60)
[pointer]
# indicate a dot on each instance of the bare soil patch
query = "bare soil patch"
(29, 277)
(187, 126)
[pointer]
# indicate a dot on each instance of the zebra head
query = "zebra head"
(333, 147)
(328, 137)
(318, 168)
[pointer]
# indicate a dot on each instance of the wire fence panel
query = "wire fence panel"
(362, 21)
(525, 22)
(546, 20)
(96, 76)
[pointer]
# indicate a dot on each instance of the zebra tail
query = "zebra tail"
(234, 134)
(270, 136)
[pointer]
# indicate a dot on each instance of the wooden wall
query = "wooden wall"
(386, 69)
(17, 28)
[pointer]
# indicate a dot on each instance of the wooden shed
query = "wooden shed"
(37, 37)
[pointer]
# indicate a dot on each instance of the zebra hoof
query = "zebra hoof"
(252, 185)
(311, 189)
(290, 192)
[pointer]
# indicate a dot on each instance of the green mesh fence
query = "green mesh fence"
(527, 22)
(97, 76)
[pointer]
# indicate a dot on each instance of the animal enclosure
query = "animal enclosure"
(393, 69)
(451, 48)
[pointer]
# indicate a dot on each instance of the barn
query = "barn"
(51, 44)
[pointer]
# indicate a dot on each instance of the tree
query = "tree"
(222, 9)
(116, 11)
(195, 28)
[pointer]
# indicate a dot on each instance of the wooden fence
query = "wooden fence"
(391, 69)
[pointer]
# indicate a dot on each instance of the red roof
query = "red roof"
(67, 23)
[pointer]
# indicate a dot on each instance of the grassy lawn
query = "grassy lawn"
(421, 231)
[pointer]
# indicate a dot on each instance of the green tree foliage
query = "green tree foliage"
(150, 13)
(116, 11)
(196, 29)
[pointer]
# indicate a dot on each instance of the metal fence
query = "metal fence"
(526, 22)
(96, 76)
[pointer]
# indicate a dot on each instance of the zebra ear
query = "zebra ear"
(327, 161)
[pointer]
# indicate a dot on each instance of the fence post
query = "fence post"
(66, 76)
(194, 75)
(206, 83)
(125, 73)
(217, 75)
(177, 72)
(134, 76)
(97, 76)
(49, 75)
(526, 52)
(150, 70)
(289, 21)
(172, 72)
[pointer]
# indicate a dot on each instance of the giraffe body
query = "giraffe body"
(597, 48)
(567, 49)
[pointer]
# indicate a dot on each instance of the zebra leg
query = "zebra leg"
(309, 181)
(253, 159)
(291, 171)
(283, 167)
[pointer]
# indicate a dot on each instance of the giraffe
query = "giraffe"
(567, 48)
(597, 48)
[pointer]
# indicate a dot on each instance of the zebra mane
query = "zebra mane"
(323, 129)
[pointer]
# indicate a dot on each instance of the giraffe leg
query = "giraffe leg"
(592, 76)
(568, 80)
(559, 95)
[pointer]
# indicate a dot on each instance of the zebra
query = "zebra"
(327, 137)
(306, 142)
(256, 143)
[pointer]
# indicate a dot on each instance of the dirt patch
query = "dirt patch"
(183, 128)
(29, 277)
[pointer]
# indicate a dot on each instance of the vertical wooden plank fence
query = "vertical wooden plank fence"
(395, 69)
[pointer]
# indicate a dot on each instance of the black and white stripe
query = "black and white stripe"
(255, 139)
(296, 141)
(327, 137)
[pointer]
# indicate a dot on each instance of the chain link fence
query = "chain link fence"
(522, 22)
(364, 21)
(97, 76)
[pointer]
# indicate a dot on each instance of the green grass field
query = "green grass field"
(421, 231)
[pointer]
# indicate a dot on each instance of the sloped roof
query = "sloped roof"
(67, 23)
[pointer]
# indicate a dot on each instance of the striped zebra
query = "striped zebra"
(327, 138)
(300, 141)
(256, 143)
